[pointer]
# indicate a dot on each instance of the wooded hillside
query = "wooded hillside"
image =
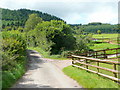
(14, 17)
(96, 26)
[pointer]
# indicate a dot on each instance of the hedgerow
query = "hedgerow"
(13, 57)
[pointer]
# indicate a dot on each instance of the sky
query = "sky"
(72, 11)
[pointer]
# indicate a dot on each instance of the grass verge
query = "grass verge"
(47, 54)
(10, 77)
(89, 80)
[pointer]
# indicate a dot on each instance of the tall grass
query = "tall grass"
(11, 76)
(89, 80)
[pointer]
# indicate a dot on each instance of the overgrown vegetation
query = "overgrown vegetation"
(13, 57)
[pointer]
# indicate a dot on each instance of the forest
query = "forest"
(19, 17)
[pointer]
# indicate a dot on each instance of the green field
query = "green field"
(103, 46)
(107, 37)
(89, 80)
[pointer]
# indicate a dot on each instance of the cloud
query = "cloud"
(72, 11)
(105, 14)
(104, 17)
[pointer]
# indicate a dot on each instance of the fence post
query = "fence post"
(98, 65)
(96, 54)
(115, 69)
(86, 54)
(116, 52)
(72, 60)
(104, 54)
(86, 63)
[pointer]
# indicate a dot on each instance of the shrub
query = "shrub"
(13, 46)
(13, 57)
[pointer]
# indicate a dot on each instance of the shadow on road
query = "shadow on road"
(34, 60)
(30, 86)
(34, 63)
(33, 56)
(32, 52)
(42, 74)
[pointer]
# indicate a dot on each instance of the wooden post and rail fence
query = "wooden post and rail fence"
(86, 63)
(99, 53)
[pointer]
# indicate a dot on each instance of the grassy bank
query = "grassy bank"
(11, 76)
(13, 57)
(89, 80)
(47, 54)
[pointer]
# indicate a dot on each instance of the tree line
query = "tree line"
(19, 17)
(95, 26)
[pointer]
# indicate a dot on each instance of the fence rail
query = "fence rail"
(99, 54)
(103, 53)
(85, 63)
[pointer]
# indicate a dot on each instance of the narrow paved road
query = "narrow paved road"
(44, 74)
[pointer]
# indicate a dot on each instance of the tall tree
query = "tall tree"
(30, 24)
(82, 41)
(98, 31)
(59, 33)
(32, 21)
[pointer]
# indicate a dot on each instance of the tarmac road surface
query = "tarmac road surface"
(44, 74)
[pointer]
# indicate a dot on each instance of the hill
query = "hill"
(10, 17)
(95, 27)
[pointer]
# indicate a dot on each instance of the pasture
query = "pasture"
(107, 37)
(102, 46)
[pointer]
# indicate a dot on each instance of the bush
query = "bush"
(66, 53)
(14, 46)
(13, 57)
